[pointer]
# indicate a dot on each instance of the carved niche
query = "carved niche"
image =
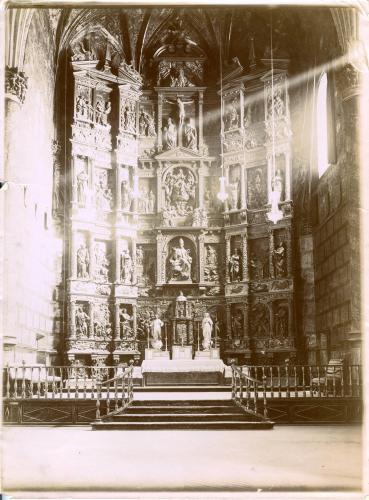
(102, 322)
(179, 186)
(82, 321)
(280, 254)
(181, 260)
(102, 259)
(82, 180)
(147, 199)
(83, 258)
(235, 259)
(212, 261)
(259, 258)
(259, 320)
(102, 190)
(257, 188)
(128, 114)
(234, 187)
(280, 321)
(145, 264)
(237, 324)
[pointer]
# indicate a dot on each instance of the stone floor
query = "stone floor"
(71, 461)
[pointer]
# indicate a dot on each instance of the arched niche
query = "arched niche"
(181, 264)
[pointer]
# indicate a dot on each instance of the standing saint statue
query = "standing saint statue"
(83, 261)
(190, 135)
(235, 266)
(156, 326)
(207, 327)
(82, 187)
(170, 134)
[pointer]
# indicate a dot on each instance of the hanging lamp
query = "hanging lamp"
(275, 214)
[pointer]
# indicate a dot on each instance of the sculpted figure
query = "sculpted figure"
(82, 187)
(81, 323)
(279, 260)
(126, 195)
(156, 326)
(151, 202)
(126, 267)
(207, 327)
(125, 323)
(83, 261)
(234, 194)
(282, 322)
(235, 266)
(170, 134)
(180, 263)
(190, 135)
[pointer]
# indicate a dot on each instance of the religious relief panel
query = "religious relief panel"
(280, 310)
(128, 115)
(234, 187)
(279, 254)
(103, 192)
(83, 103)
(102, 256)
(82, 180)
(211, 186)
(232, 114)
(147, 200)
(102, 110)
(102, 322)
(146, 123)
(253, 112)
(257, 187)
(82, 320)
(179, 191)
(259, 320)
(179, 128)
(181, 260)
(212, 261)
(237, 324)
(276, 104)
(145, 264)
(180, 73)
(83, 257)
(235, 260)
(259, 259)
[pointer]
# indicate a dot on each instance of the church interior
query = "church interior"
(184, 220)
(182, 184)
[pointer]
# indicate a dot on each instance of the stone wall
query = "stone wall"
(32, 248)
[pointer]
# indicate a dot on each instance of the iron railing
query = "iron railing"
(245, 392)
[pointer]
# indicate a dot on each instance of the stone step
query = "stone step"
(187, 402)
(150, 409)
(184, 417)
(182, 425)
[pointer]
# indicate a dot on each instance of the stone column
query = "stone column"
(160, 122)
(271, 252)
(228, 256)
(91, 174)
(91, 325)
(289, 251)
(201, 186)
(116, 321)
(73, 255)
(245, 267)
(243, 185)
(201, 121)
(200, 240)
(72, 319)
(271, 318)
(287, 188)
(134, 272)
(245, 319)
(91, 251)
(159, 259)
(117, 260)
(159, 204)
(290, 318)
(134, 318)
(229, 320)
(118, 196)
(74, 199)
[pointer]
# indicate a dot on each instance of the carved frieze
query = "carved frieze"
(16, 84)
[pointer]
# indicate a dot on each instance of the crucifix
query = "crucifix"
(181, 113)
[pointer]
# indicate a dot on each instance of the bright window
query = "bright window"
(322, 125)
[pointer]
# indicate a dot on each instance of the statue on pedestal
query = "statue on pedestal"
(170, 134)
(125, 324)
(82, 187)
(190, 133)
(126, 195)
(207, 326)
(279, 260)
(126, 267)
(235, 266)
(180, 263)
(81, 323)
(83, 262)
(156, 326)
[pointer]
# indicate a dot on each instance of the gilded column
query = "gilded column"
(290, 318)
(117, 321)
(91, 325)
(72, 314)
(91, 251)
(243, 195)
(117, 260)
(245, 319)
(229, 320)
(289, 251)
(245, 267)
(228, 256)
(160, 123)
(134, 271)
(74, 183)
(269, 177)
(134, 319)
(73, 255)
(118, 196)
(201, 120)
(271, 319)
(201, 257)
(271, 252)
(287, 189)
(159, 204)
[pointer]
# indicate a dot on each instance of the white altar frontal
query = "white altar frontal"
(205, 368)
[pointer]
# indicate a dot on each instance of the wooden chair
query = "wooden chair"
(331, 382)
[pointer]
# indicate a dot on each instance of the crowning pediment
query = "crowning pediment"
(179, 153)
